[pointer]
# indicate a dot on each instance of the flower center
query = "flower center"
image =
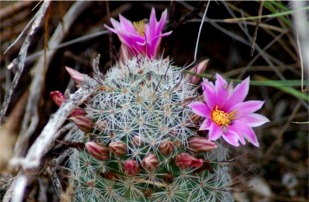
(140, 27)
(220, 117)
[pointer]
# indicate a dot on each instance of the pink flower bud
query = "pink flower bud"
(75, 75)
(150, 162)
(84, 123)
(201, 144)
(166, 147)
(97, 150)
(78, 112)
(185, 160)
(57, 97)
(118, 148)
(131, 167)
(198, 69)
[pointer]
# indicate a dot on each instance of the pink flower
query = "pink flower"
(226, 114)
(140, 38)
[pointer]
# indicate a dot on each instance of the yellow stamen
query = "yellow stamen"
(140, 27)
(221, 118)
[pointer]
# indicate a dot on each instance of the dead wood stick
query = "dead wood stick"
(30, 165)
(20, 60)
(31, 118)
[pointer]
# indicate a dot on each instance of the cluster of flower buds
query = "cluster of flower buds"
(78, 116)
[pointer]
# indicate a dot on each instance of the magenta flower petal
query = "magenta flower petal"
(125, 39)
(127, 25)
(205, 125)
(111, 29)
(249, 134)
(165, 34)
(221, 90)
(239, 93)
(254, 120)
(200, 109)
(246, 108)
(231, 139)
(234, 130)
(152, 24)
(215, 132)
(162, 21)
(209, 93)
(115, 24)
(226, 114)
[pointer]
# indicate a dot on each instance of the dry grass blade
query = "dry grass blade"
(257, 27)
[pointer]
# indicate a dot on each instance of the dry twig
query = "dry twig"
(257, 27)
(20, 60)
(30, 165)
(31, 117)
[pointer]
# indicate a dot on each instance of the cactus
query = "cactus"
(140, 127)
(141, 140)
(147, 139)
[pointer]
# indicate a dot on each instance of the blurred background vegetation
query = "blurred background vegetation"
(241, 39)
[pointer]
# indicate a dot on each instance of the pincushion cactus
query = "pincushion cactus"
(140, 128)
(144, 144)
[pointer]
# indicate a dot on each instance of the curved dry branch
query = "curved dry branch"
(31, 117)
(30, 165)
(20, 60)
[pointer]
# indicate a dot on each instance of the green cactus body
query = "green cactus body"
(140, 113)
